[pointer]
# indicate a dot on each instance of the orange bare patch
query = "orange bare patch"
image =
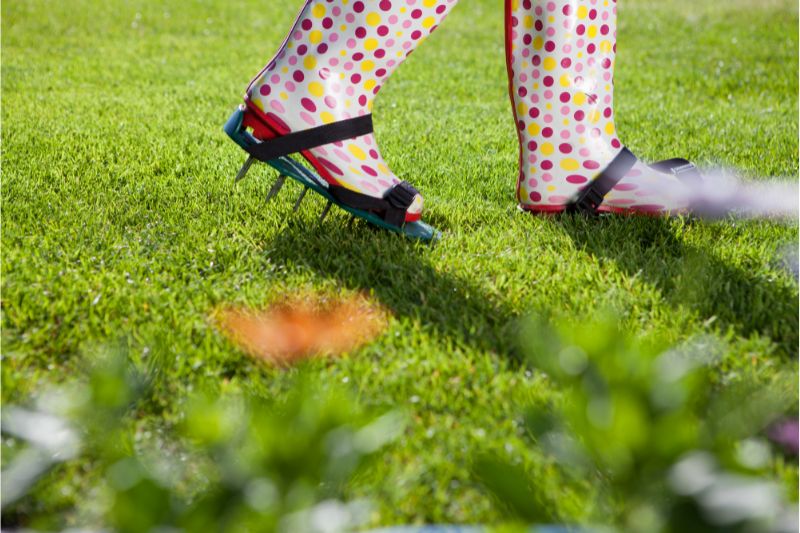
(297, 329)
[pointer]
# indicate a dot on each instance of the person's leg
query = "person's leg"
(561, 56)
(334, 61)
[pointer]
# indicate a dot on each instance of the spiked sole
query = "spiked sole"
(287, 166)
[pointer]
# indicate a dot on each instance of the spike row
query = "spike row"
(276, 187)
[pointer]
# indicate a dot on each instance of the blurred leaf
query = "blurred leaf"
(297, 329)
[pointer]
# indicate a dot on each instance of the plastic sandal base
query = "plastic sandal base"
(289, 167)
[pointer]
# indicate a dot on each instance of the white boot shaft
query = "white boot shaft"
(334, 61)
(561, 56)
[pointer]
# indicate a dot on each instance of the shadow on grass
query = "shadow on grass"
(692, 277)
(396, 272)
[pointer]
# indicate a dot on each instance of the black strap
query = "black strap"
(293, 143)
(683, 169)
(590, 198)
(394, 204)
(392, 207)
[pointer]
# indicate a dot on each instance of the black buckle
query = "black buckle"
(402, 195)
(684, 169)
(588, 201)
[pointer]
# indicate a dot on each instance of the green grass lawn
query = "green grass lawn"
(120, 221)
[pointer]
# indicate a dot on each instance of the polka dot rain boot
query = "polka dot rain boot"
(560, 56)
(315, 97)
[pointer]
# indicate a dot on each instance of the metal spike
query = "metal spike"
(300, 199)
(276, 187)
(325, 211)
(243, 171)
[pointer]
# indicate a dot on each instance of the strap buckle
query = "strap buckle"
(402, 195)
(684, 169)
(589, 200)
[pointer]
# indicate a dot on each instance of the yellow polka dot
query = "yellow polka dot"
(605, 47)
(570, 164)
(370, 84)
(522, 109)
(383, 168)
(534, 129)
(514, 5)
(371, 44)
(538, 43)
(579, 98)
(327, 117)
(583, 12)
(528, 21)
(373, 19)
(318, 11)
(565, 80)
(349, 186)
(316, 88)
(355, 171)
(594, 117)
(429, 3)
(551, 188)
(315, 36)
(283, 96)
(357, 152)
(566, 122)
(428, 22)
(309, 62)
(369, 105)
(610, 129)
(285, 70)
(549, 63)
(548, 148)
(367, 65)
(592, 31)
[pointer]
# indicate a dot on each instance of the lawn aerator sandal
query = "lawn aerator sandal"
(314, 98)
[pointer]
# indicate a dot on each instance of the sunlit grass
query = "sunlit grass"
(121, 221)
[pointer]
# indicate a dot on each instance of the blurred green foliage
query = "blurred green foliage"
(233, 462)
(672, 449)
